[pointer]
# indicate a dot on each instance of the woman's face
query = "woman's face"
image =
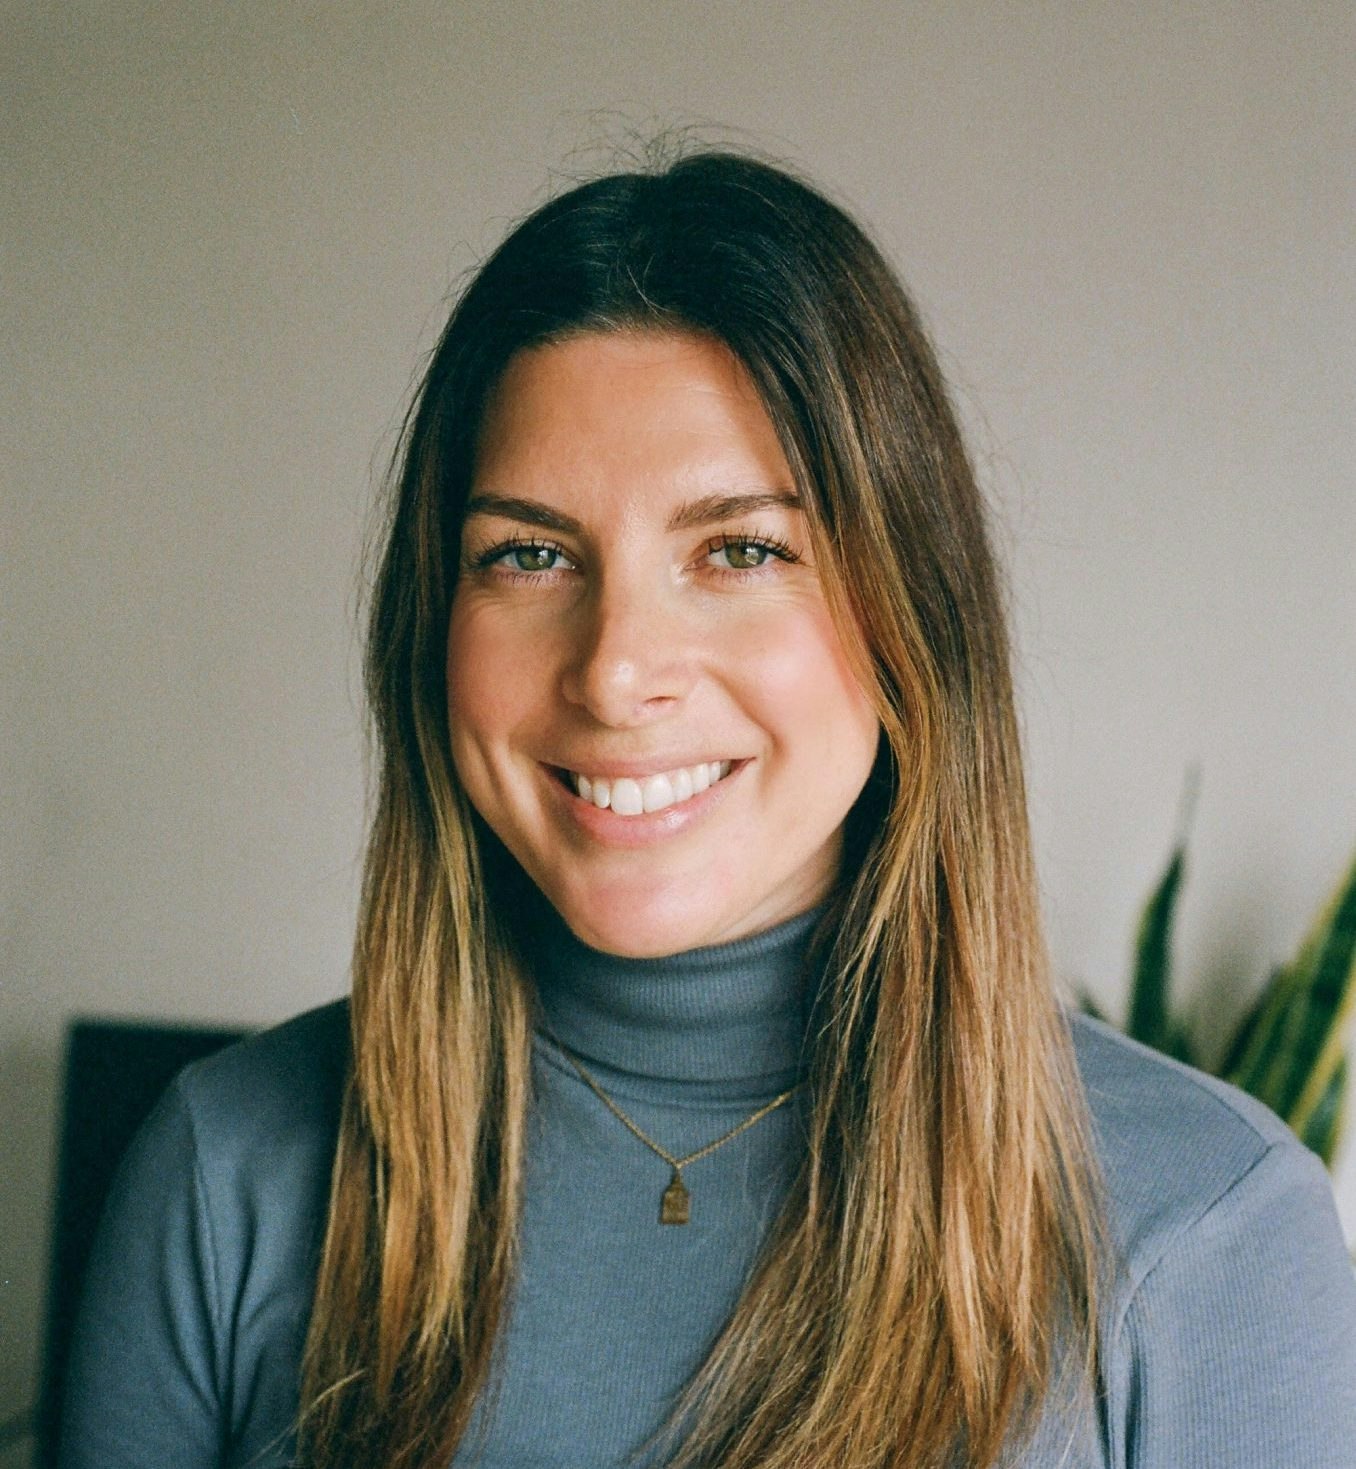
(649, 702)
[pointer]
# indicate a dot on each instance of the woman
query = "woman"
(707, 1102)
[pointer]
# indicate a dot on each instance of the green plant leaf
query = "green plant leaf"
(1240, 1044)
(1322, 1132)
(1089, 1006)
(1316, 1036)
(1294, 1042)
(1149, 1020)
(1179, 1045)
(1251, 1052)
(1289, 1049)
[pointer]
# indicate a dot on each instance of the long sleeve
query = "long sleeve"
(144, 1383)
(1238, 1349)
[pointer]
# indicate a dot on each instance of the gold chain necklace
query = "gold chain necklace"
(675, 1204)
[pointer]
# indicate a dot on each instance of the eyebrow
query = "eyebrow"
(690, 514)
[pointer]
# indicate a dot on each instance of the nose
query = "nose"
(632, 655)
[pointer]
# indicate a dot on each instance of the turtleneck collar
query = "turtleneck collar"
(729, 1018)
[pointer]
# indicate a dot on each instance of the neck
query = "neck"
(730, 1017)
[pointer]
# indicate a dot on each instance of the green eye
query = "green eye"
(749, 552)
(745, 555)
(534, 558)
(521, 558)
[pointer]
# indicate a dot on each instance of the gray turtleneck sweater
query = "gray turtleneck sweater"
(1230, 1342)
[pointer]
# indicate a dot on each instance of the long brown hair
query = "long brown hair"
(938, 1257)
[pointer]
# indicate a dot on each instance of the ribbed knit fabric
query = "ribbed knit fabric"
(614, 1311)
(1229, 1340)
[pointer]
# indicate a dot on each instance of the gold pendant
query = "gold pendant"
(675, 1207)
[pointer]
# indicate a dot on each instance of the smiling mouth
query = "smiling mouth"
(628, 797)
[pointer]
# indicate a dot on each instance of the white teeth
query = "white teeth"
(656, 792)
(626, 798)
(629, 797)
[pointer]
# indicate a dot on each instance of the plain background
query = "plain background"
(231, 232)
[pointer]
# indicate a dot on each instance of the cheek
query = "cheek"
(803, 683)
(487, 683)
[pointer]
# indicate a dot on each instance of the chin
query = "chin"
(642, 929)
(640, 941)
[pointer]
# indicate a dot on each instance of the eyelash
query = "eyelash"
(484, 560)
(773, 545)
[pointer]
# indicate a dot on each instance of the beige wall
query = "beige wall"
(229, 234)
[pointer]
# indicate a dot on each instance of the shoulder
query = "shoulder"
(248, 1138)
(1175, 1144)
(267, 1107)
(1231, 1332)
(287, 1072)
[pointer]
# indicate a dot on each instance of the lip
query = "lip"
(605, 826)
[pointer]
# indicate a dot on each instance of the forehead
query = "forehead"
(639, 413)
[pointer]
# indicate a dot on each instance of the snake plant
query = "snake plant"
(1289, 1048)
